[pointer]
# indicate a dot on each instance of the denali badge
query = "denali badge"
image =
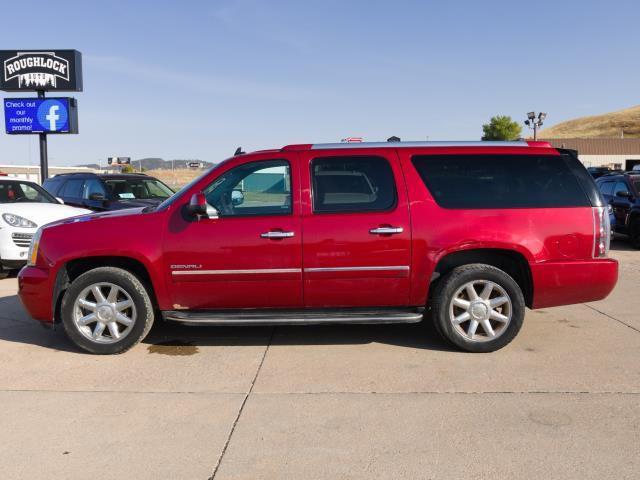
(191, 266)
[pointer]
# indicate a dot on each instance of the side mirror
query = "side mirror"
(61, 201)
(96, 196)
(624, 194)
(237, 198)
(199, 208)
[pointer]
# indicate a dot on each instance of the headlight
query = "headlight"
(18, 221)
(33, 249)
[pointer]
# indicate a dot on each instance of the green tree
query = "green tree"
(501, 127)
(127, 169)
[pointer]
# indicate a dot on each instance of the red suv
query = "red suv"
(466, 234)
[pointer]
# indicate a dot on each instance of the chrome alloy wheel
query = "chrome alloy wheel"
(104, 313)
(480, 317)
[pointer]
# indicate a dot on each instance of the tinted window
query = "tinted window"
(620, 187)
(93, 186)
(52, 185)
(500, 181)
(256, 188)
(72, 189)
(606, 188)
(140, 188)
(636, 184)
(23, 192)
(352, 184)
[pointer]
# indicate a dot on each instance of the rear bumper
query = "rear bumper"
(565, 283)
(35, 287)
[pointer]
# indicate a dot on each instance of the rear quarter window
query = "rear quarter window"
(52, 185)
(500, 181)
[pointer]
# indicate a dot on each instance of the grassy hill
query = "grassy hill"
(606, 125)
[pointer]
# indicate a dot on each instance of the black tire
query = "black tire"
(134, 288)
(443, 296)
(634, 232)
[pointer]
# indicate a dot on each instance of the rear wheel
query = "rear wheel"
(478, 308)
(634, 232)
(107, 310)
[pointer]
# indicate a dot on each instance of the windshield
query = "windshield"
(23, 192)
(138, 188)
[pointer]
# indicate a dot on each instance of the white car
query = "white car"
(25, 206)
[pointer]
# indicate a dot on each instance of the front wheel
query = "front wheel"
(478, 308)
(107, 310)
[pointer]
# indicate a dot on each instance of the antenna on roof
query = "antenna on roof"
(239, 152)
(393, 139)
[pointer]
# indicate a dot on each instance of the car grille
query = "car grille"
(22, 239)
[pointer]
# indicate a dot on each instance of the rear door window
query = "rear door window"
(352, 184)
(500, 181)
(606, 188)
(72, 189)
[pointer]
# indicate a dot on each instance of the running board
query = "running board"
(295, 317)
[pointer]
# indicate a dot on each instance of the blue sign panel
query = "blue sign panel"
(40, 115)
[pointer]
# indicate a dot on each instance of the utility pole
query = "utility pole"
(535, 122)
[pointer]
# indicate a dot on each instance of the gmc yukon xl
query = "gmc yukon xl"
(464, 234)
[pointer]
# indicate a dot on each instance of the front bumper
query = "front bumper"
(579, 281)
(14, 246)
(35, 289)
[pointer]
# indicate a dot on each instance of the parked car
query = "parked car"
(597, 172)
(24, 206)
(466, 234)
(100, 192)
(622, 193)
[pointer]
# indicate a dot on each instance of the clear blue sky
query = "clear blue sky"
(196, 79)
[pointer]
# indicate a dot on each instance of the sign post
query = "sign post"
(44, 158)
(42, 71)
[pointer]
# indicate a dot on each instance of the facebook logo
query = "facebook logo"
(52, 115)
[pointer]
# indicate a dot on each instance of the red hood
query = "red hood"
(128, 212)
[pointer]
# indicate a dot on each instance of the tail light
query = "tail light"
(602, 232)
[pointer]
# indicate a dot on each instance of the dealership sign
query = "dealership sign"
(40, 115)
(45, 70)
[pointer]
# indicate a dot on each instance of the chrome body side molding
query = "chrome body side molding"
(237, 272)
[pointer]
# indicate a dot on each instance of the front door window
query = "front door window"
(258, 188)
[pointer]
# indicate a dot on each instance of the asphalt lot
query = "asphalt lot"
(562, 401)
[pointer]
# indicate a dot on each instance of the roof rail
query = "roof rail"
(328, 146)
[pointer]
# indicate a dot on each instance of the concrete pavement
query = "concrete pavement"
(561, 401)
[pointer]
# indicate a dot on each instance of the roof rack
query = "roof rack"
(327, 146)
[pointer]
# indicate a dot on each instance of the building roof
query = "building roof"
(598, 146)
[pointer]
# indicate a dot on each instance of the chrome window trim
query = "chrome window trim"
(356, 145)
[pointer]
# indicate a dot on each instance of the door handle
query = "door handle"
(386, 230)
(277, 234)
